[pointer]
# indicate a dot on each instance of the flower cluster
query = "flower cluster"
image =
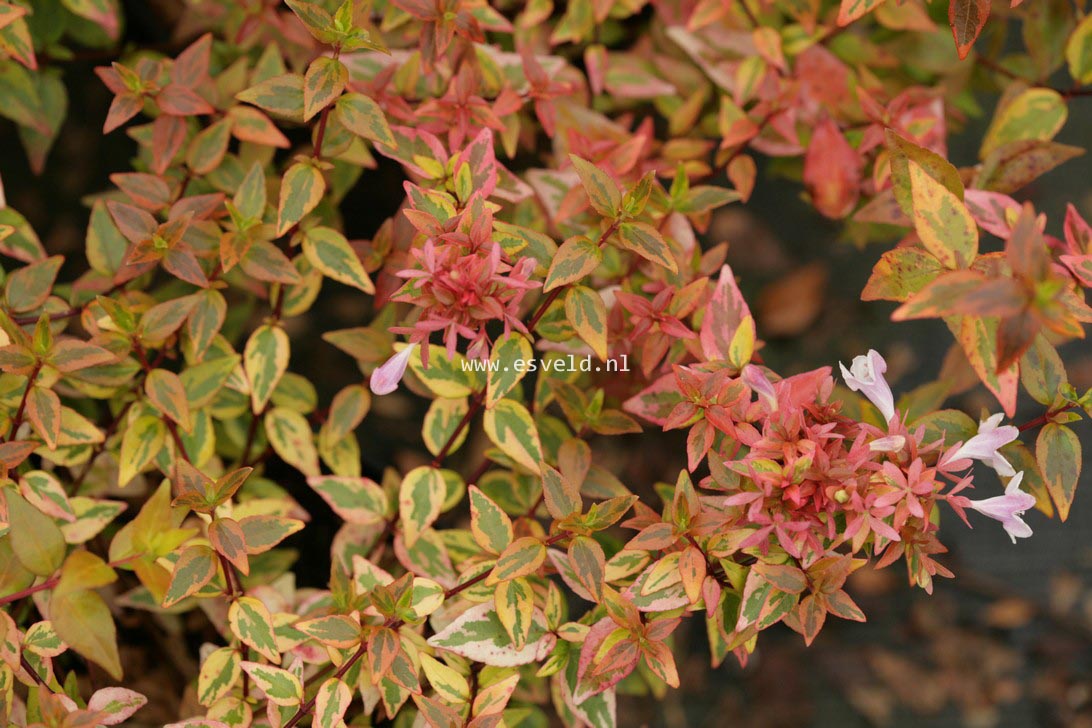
(811, 481)
(463, 281)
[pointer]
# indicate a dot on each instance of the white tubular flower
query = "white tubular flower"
(865, 375)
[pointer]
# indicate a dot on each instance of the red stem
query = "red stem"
(1044, 418)
(52, 582)
(15, 423)
(251, 433)
(321, 135)
(476, 403)
(229, 576)
(47, 584)
(33, 673)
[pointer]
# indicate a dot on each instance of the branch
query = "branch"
(15, 423)
(25, 663)
(16, 596)
(229, 576)
(251, 433)
(1013, 76)
(476, 403)
(52, 582)
(1045, 418)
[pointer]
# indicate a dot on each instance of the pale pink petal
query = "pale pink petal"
(1008, 508)
(754, 378)
(865, 375)
(385, 379)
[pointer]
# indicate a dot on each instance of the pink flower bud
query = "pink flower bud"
(385, 379)
(754, 378)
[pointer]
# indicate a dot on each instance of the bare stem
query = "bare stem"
(1044, 418)
(33, 673)
(476, 403)
(15, 423)
(52, 582)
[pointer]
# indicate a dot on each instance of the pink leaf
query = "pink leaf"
(723, 315)
(832, 171)
(988, 210)
(115, 705)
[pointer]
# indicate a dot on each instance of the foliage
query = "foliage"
(560, 164)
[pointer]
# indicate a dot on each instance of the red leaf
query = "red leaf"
(251, 125)
(990, 209)
(723, 316)
(124, 107)
(181, 101)
(227, 537)
(1078, 233)
(832, 171)
(192, 64)
(967, 17)
(1014, 336)
(168, 136)
(182, 263)
(135, 224)
(145, 190)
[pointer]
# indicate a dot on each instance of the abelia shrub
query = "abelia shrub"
(561, 166)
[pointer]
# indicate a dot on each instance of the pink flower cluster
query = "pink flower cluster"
(804, 477)
(461, 282)
(817, 480)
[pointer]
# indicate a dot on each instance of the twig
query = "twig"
(53, 581)
(749, 13)
(16, 596)
(476, 403)
(478, 473)
(997, 68)
(15, 423)
(229, 576)
(538, 502)
(251, 433)
(244, 653)
(33, 673)
(1044, 418)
